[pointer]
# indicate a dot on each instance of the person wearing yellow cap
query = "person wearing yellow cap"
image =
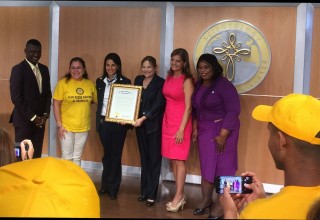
(294, 142)
(47, 187)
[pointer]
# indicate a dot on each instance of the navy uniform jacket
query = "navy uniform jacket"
(101, 86)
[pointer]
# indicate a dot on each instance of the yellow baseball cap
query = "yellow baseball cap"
(297, 115)
(47, 187)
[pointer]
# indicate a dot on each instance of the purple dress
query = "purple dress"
(217, 106)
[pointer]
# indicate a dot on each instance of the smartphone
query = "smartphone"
(236, 184)
(17, 150)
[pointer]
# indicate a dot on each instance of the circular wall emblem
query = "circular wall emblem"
(241, 49)
(79, 91)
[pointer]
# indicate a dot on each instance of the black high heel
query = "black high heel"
(150, 202)
(113, 197)
(103, 191)
(200, 211)
(142, 198)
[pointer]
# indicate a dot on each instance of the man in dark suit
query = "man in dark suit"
(31, 95)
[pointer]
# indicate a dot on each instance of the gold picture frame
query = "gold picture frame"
(123, 103)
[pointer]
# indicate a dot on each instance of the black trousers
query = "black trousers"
(150, 154)
(32, 133)
(112, 136)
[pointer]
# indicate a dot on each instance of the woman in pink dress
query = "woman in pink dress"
(177, 124)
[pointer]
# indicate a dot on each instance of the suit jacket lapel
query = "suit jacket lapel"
(150, 88)
(30, 74)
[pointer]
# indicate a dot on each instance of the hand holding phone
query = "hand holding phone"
(24, 150)
(231, 204)
(27, 149)
(256, 186)
(236, 184)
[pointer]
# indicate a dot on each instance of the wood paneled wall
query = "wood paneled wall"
(92, 33)
(17, 26)
(279, 30)
(315, 57)
(134, 32)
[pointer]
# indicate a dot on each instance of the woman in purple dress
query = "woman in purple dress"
(216, 124)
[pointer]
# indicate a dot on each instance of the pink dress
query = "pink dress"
(175, 106)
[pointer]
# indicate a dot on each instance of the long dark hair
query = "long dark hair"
(185, 57)
(116, 59)
(7, 154)
(77, 59)
(213, 61)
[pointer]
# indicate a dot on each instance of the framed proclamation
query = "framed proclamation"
(124, 103)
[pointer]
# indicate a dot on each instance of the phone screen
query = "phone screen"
(17, 150)
(236, 184)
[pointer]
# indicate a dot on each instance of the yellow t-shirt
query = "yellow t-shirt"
(292, 202)
(76, 97)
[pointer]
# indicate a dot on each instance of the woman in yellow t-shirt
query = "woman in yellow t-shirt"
(72, 100)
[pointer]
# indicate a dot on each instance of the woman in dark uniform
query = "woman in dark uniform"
(148, 128)
(112, 134)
